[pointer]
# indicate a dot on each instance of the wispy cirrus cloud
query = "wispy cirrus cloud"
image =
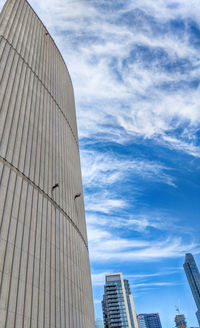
(98, 279)
(106, 169)
(155, 284)
(139, 223)
(142, 222)
(131, 74)
(107, 246)
(103, 202)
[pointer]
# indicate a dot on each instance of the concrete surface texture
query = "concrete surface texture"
(44, 263)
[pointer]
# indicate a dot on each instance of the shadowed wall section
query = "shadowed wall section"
(44, 264)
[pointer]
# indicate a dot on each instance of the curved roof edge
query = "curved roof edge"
(47, 32)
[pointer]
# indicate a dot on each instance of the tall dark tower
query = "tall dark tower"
(193, 277)
(44, 264)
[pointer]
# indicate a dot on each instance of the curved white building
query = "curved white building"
(44, 265)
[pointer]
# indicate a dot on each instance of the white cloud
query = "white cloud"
(134, 222)
(107, 246)
(155, 284)
(143, 222)
(135, 102)
(152, 275)
(95, 234)
(101, 169)
(102, 202)
(98, 279)
(165, 9)
(96, 301)
(91, 38)
(175, 143)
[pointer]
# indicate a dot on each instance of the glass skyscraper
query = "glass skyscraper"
(149, 320)
(193, 277)
(118, 307)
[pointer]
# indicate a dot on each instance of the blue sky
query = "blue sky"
(135, 67)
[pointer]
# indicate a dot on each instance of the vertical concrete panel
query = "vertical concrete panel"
(44, 263)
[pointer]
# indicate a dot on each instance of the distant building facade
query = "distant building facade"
(151, 320)
(193, 277)
(117, 305)
(180, 321)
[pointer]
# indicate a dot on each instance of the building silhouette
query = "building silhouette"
(180, 321)
(44, 264)
(118, 307)
(151, 320)
(193, 277)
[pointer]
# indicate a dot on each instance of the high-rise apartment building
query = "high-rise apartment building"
(180, 321)
(151, 320)
(44, 264)
(193, 277)
(118, 307)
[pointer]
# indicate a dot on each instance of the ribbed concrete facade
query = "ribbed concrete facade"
(44, 264)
